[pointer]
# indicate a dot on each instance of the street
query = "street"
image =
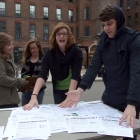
(89, 95)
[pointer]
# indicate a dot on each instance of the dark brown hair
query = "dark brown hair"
(5, 39)
(107, 13)
(52, 39)
(27, 52)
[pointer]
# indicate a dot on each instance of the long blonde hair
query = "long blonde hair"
(4, 40)
(27, 53)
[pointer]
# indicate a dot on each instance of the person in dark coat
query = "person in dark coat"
(64, 61)
(119, 50)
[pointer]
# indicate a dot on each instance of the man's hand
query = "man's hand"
(129, 114)
(33, 102)
(72, 99)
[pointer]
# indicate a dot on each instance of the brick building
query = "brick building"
(24, 19)
(131, 10)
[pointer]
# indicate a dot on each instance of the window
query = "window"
(2, 8)
(18, 10)
(58, 14)
(77, 32)
(121, 4)
(136, 19)
(86, 31)
(77, 14)
(32, 11)
(136, 2)
(46, 14)
(32, 31)
(18, 31)
(86, 13)
(71, 28)
(70, 15)
(129, 21)
(2, 27)
(46, 32)
(128, 4)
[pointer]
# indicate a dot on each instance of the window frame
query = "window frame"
(30, 31)
(17, 12)
(128, 4)
(58, 15)
(2, 8)
(70, 15)
(136, 18)
(45, 34)
(18, 32)
(136, 2)
(45, 14)
(76, 14)
(121, 4)
(86, 13)
(86, 30)
(77, 30)
(32, 13)
(4, 24)
(129, 21)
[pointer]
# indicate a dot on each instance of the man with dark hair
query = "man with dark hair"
(119, 50)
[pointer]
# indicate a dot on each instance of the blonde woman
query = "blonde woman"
(32, 58)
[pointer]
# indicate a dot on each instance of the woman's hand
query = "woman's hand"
(33, 102)
(72, 99)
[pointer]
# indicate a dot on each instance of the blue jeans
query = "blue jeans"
(26, 96)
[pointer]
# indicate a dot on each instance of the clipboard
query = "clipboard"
(30, 85)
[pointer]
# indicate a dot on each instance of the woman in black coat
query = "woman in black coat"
(64, 61)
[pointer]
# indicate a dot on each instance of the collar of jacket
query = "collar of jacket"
(119, 38)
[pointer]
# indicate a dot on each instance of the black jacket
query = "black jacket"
(28, 71)
(121, 58)
(59, 64)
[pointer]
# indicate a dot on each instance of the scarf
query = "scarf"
(63, 63)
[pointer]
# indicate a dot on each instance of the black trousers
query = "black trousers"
(59, 95)
(8, 106)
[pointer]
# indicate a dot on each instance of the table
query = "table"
(65, 136)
